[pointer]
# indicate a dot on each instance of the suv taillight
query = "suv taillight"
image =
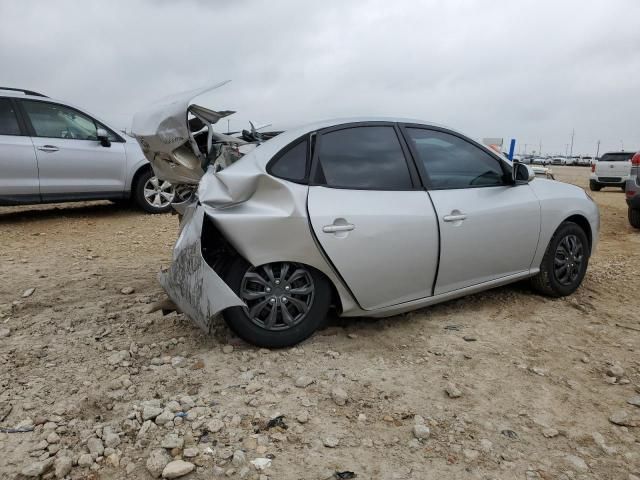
(593, 167)
(635, 161)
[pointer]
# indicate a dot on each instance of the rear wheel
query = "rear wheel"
(152, 194)
(594, 186)
(634, 217)
(564, 263)
(286, 302)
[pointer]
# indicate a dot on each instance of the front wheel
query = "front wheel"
(594, 186)
(152, 194)
(286, 302)
(634, 217)
(564, 263)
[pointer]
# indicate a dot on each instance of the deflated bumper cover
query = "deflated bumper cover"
(190, 282)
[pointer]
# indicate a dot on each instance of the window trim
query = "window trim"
(413, 174)
(32, 132)
(18, 114)
(507, 170)
(284, 150)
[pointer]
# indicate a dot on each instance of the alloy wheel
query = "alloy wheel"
(158, 193)
(278, 295)
(568, 260)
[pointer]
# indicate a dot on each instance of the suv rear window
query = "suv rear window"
(616, 157)
(8, 120)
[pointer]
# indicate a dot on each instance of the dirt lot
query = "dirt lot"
(539, 379)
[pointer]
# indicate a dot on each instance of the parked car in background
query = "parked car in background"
(558, 161)
(632, 192)
(375, 216)
(612, 170)
(585, 161)
(539, 161)
(51, 151)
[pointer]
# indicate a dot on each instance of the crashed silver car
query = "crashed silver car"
(370, 216)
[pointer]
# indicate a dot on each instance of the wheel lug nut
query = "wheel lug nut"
(272, 299)
(268, 290)
(287, 288)
(284, 299)
(277, 282)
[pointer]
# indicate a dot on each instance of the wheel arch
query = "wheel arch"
(583, 223)
(145, 167)
(219, 253)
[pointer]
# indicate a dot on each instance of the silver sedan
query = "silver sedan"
(370, 216)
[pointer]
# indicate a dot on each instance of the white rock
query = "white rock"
(28, 292)
(149, 412)
(239, 458)
(36, 469)
(303, 381)
(127, 290)
(165, 417)
(227, 349)
(95, 446)
(261, 463)
(452, 391)
(615, 370)
(339, 396)
(330, 441)
(187, 403)
(5, 332)
(578, 463)
(62, 466)
(421, 432)
(85, 460)
(118, 357)
(550, 432)
(190, 452)
(172, 440)
(158, 459)
(53, 437)
(177, 468)
(111, 440)
(215, 425)
(635, 401)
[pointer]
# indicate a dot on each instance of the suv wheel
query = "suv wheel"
(152, 194)
(564, 263)
(634, 217)
(594, 186)
(286, 302)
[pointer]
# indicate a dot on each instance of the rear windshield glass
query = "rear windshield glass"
(616, 157)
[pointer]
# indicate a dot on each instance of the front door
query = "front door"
(372, 219)
(71, 160)
(18, 164)
(489, 228)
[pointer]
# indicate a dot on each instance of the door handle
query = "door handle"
(455, 217)
(48, 148)
(338, 228)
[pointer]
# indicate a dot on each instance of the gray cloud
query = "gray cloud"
(532, 70)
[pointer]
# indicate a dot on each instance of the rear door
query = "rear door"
(614, 167)
(370, 215)
(72, 162)
(489, 228)
(18, 164)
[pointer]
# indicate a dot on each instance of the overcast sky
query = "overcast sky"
(527, 69)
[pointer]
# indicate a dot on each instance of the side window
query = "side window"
(452, 162)
(8, 120)
(292, 164)
(56, 121)
(363, 158)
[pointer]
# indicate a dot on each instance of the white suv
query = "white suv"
(612, 170)
(51, 151)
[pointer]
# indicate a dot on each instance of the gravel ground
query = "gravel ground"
(501, 385)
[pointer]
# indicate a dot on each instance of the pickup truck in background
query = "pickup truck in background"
(612, 170)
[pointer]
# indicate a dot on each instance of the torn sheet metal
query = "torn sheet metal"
(190, 282)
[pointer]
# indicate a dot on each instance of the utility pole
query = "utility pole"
(573, 132)
(525, 148)
(621, 146)
(597, 150)
(540, 149)
(566, 149)
(228, 126)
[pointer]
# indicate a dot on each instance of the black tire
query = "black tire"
(548, 281)
(139, 197)
(634, 217)
(594, 186)
(238, 319)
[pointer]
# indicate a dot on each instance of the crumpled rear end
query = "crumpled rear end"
(190, 282)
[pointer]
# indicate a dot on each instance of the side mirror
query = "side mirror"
(103, 137)
(522, 173)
